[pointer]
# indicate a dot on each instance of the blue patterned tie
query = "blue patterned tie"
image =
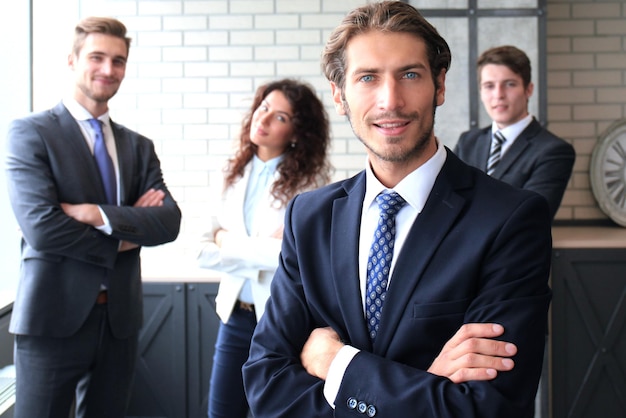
(379, 260)
(104, 162)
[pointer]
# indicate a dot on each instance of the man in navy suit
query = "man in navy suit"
(531, 157)
(461, 331)
(78, 308)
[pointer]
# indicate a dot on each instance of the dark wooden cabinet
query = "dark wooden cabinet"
(176, 346)
(588, 328)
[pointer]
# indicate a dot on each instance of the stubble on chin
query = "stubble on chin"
(391, 148)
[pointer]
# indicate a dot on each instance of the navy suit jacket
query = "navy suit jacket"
(64, 261)
(538, 160)
(478, 252)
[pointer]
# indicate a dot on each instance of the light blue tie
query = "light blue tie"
(104, 162)
(379, 260)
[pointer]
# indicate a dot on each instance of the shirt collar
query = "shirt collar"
(511, 132)
(78, 112)
(271, 165)
(415, 187)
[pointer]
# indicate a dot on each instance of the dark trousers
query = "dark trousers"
(227, 398)
(90, 366)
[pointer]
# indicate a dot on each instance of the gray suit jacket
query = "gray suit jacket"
(538, 160)
(64, 261)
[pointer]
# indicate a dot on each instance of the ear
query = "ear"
(441, 91)
(336, 91)
(529, 90)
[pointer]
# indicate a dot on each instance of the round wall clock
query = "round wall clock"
(608, 172)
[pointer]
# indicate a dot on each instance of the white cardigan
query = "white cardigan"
(242, 257)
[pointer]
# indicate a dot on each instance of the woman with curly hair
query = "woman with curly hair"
(282, 151)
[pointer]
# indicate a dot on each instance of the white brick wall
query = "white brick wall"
(194, 65)
(193, 68)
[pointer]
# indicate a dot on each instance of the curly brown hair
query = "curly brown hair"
(305, 163)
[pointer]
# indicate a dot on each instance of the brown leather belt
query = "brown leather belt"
(103, 297)
(245, 306)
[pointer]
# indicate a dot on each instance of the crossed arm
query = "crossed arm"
(89, 213)
(471, 354)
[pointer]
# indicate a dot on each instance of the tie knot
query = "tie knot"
(499, 137)
(96, 124)
(389, 203)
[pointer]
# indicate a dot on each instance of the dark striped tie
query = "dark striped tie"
(496, 152)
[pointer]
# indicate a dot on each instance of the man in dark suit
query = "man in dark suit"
(530, 156)
(461, 330)
(78, 308)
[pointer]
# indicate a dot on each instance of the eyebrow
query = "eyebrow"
(415, 67)
(282, 112)
(102, 54)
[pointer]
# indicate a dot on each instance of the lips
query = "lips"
(392, 127)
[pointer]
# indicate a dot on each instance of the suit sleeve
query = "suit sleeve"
(551, 173)
(276, 383)
(34, 194)
(511, 290)
(145, 226)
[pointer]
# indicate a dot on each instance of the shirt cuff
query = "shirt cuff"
(106, 227)
(336, 371)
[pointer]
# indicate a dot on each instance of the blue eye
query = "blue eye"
(367, 78)
(411, 75)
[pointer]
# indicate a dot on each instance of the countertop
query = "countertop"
(588, 237)
(177, 263)
(174, 263)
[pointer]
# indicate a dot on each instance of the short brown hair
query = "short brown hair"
(104, 25)
(513, 58)
(386, 16)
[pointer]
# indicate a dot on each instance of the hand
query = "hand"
(219, 237)
(86, 213)
(126, 245)
(319, 351)
(473, 354)
(153, 197)
(278, 234)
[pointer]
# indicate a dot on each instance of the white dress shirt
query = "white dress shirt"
(415, 189)
(511, 132)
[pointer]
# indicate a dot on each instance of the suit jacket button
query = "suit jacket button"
(351, 403)
(371, 411)
(362, 407)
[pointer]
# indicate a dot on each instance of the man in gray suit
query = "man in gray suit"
(78, 308)
(515, 148)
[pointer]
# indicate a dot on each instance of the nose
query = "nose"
(390, 95)
(264, 118)
(498, 91)
(106, 66)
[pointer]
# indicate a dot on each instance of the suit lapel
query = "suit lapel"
(124, 159)
(345, 260)
(517, 149)
(483, 145)
(73, 138)
(428, 231)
